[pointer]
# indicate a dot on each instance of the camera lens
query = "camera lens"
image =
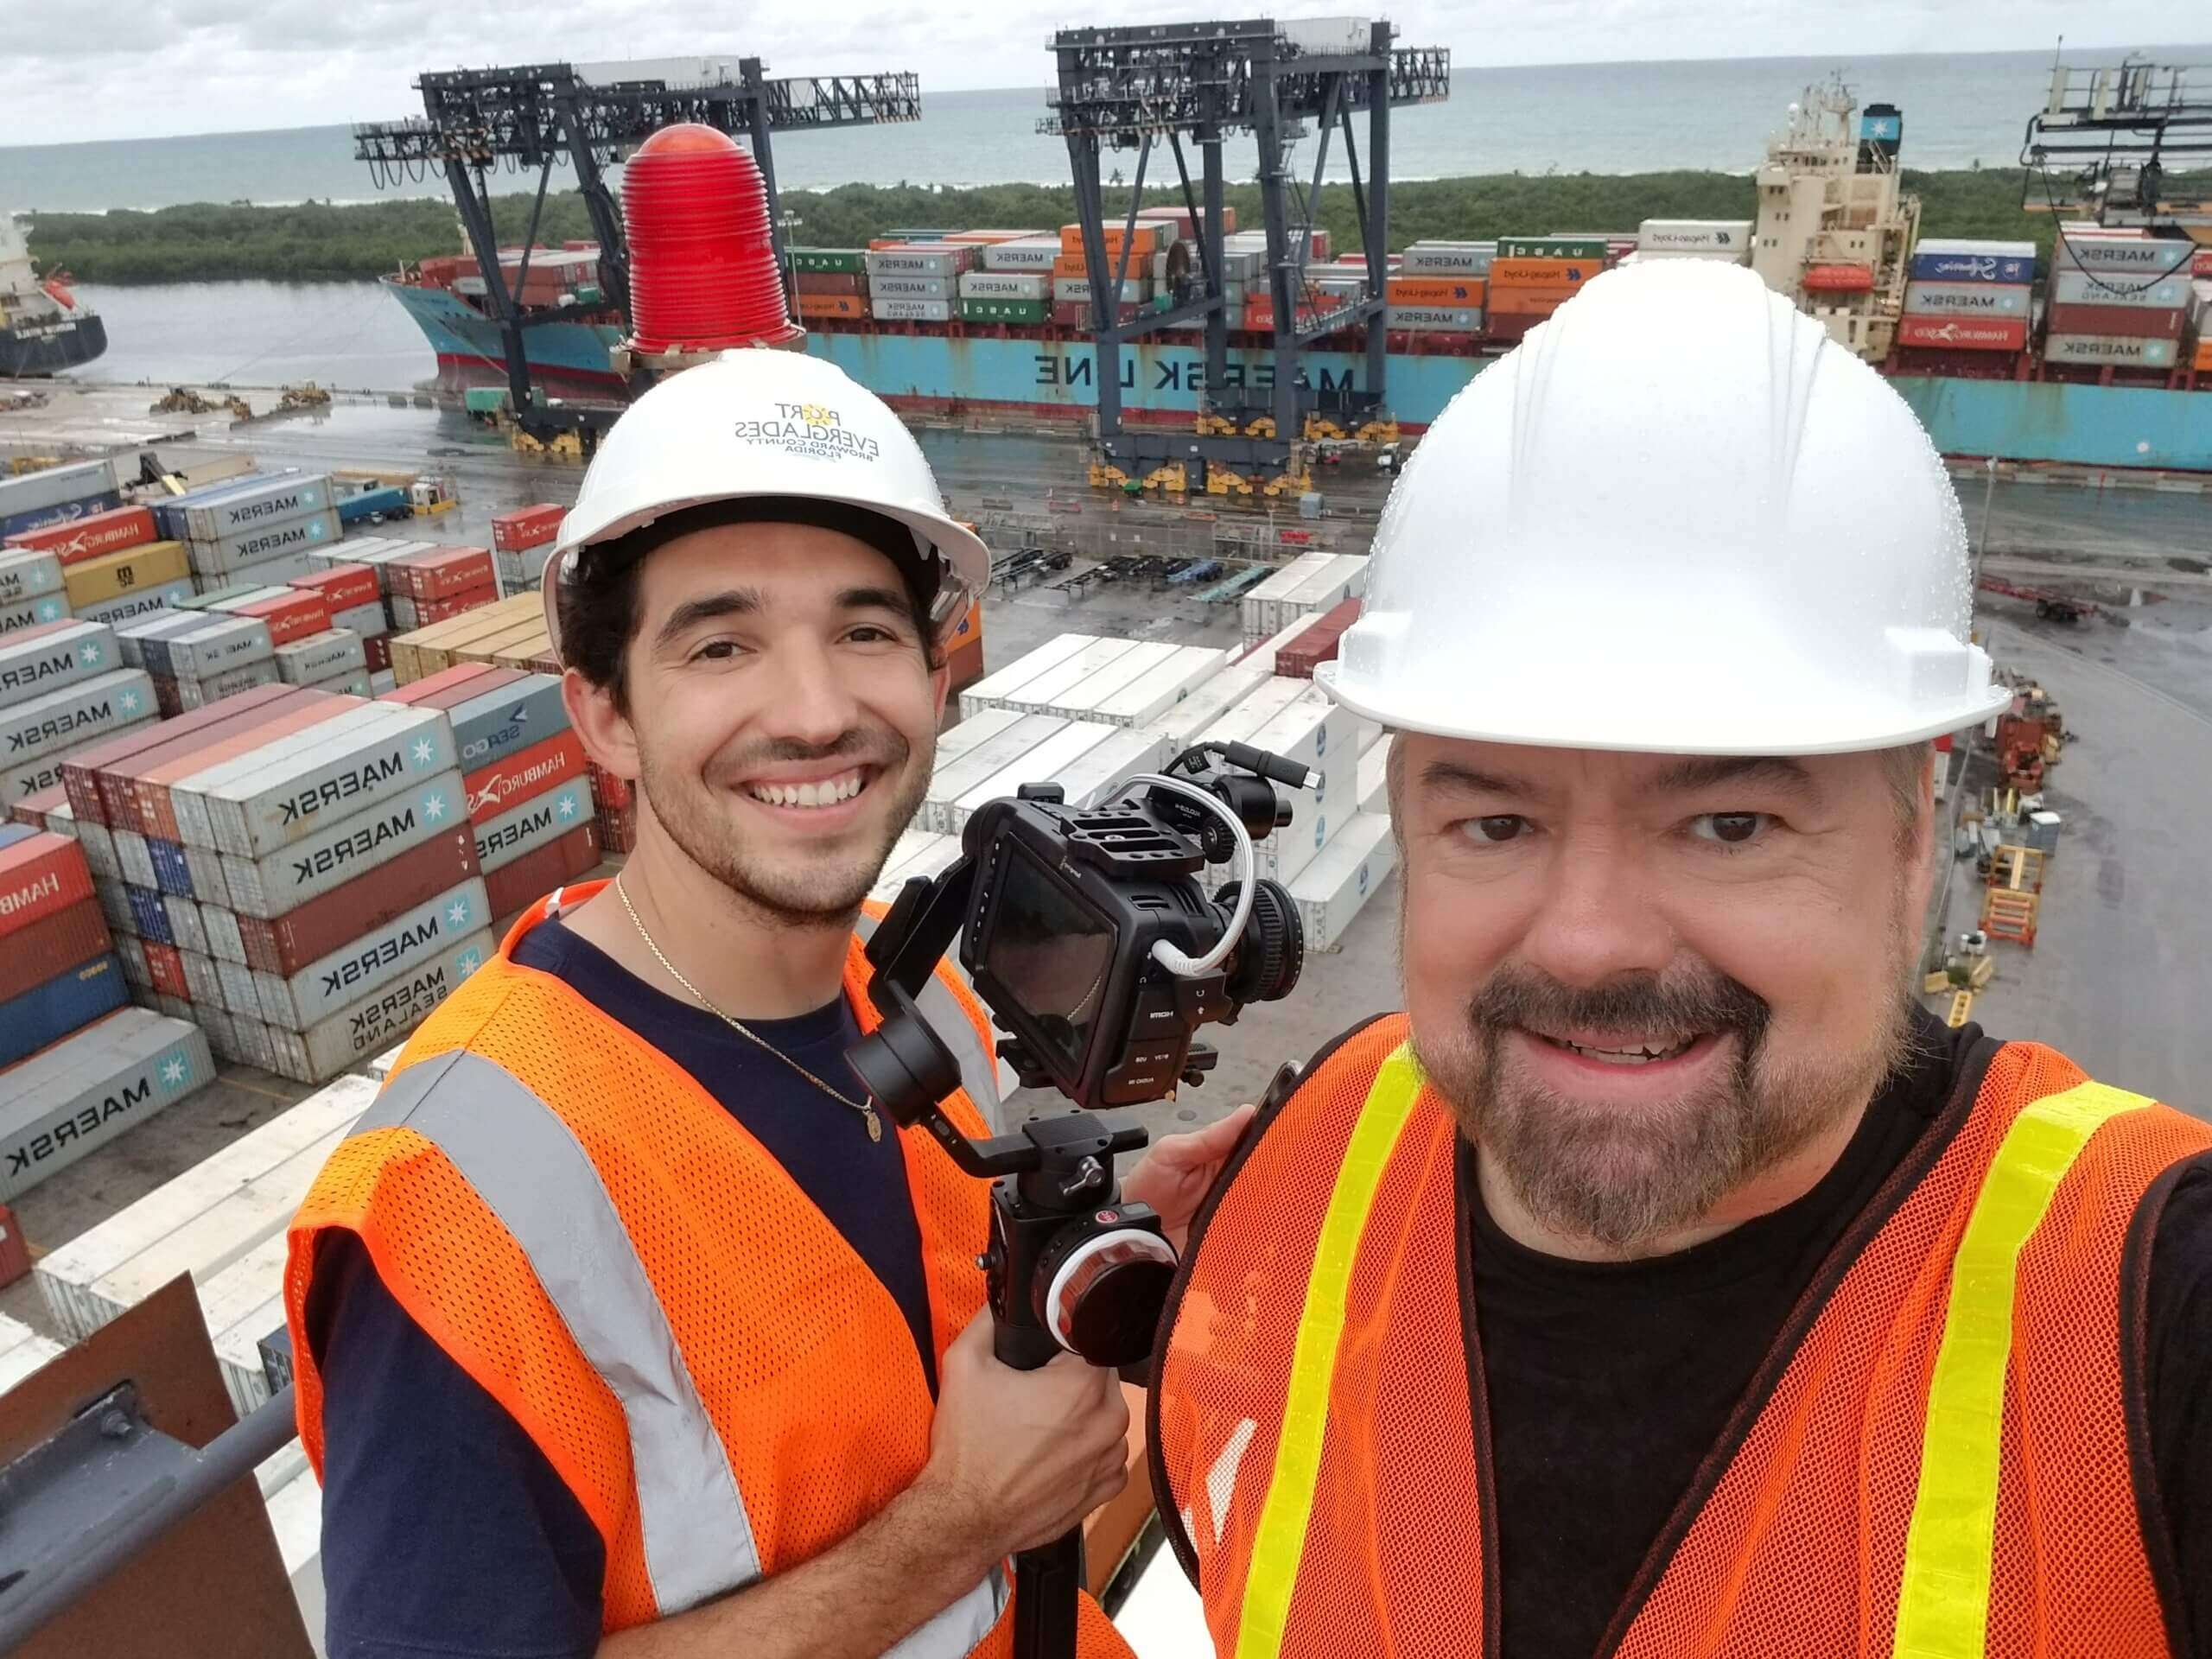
(1272, 952)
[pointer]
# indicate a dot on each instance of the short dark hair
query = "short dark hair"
(599, 598)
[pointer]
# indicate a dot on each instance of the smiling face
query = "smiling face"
(778, 711)
(1643, 981)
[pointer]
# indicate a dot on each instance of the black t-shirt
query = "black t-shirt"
(445, 1530)
(1609, 1382)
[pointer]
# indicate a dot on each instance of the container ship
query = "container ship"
(2101, 360)
(43, 328)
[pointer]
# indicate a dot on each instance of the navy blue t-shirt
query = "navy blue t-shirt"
(445, 1530)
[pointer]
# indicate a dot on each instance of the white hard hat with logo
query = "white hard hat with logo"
(753, 423)
(1677, 520)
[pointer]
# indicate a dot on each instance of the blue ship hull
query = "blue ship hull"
(1052, 379)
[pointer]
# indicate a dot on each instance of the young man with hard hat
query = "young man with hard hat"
(1663, 1281)
(624, 1322)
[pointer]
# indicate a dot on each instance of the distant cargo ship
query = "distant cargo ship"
(43, 328)
(1834, 229)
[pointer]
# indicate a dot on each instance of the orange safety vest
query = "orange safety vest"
(724, 1383)
(1933, 1461)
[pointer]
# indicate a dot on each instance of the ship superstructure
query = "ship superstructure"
(44, 329)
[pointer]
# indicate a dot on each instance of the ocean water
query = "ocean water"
(1607, 117)
(349, 335)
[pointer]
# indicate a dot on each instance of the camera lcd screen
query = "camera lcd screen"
(1050, 953)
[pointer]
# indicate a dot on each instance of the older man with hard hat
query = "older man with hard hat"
(1663, 1280)
(624, 1323)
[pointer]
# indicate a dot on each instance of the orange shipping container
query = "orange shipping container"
(1559, 276)
(1069, 265)
(1450, 292)
(1145, 239)
(1523, 305)
(832, 305)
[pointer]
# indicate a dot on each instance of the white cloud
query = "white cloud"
(123, 69)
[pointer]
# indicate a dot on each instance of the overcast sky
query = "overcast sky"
(136, 68)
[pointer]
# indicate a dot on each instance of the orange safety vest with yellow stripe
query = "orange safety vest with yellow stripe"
(724, 1383)
(1933, 1462)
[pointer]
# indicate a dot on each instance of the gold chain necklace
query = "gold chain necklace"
(865, 1107)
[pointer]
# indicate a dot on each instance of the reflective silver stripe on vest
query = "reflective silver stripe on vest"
(979, 1071)
(961, 1628)
(528, 1166)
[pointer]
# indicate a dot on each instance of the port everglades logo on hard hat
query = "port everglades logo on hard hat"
(817, 431)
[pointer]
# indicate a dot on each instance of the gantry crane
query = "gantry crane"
(590, 115)
(1149, 87)
(2129, 146)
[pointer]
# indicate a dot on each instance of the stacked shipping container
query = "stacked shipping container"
(2119, 300)
(63, 686)
(1964, 295)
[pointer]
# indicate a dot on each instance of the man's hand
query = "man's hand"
(1018, 1457)
(1177, 1173)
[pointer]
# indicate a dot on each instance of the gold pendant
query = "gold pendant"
(874, 1127)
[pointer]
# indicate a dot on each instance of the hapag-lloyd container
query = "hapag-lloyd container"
(382, 1017)
(1340, 879)
(284, 880)
(255, 506)
(348, 974)
(59, 654)
(1966, 299)
(1730, 236)
(400, 880)
(291, 789)
(2106, 287)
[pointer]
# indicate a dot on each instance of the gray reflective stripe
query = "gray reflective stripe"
(528, 1166)
(961, 1628)
(979, 1071)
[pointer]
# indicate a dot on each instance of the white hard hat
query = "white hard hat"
(756, 422)
(1677, 520)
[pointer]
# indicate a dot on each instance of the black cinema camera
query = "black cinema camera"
(1087, 934)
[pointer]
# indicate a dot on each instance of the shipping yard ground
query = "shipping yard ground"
(2119, 977)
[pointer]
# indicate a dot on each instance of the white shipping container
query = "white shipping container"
(1099, 773)
(910, 288)
(1336, 885)
(1160, 688)
(1729, 236)
(125, 606)
(75, 1096)
(1075, 290)
(971, 730)
(1448, 259)
(255, 506)
(2136, 292)
(25, 574)
(1031, 253)
(347, 974)
(1006, 285)
(49, 722)
(2124, 350)
(995, 688)
(198, 694)
(252, 554)
(318, 656)
(53, 486)
(1966, 299)
(1432, 319)
(368, 620)
(2144, 258)
(1078, 700)
(292, 789)
(341, 1039)
(1047, 689)
(1192, 720)
(916, 262)
(952, 780)
(912, 846)
(28, 613)
(537, 821)
(77, 652)
(1040, 765)
(911, 310)
(280, 882)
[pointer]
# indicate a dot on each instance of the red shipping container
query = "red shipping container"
(1964, 334)
(81, 771)
(314, 930)
(166, 969)
(32, 809)
(293, 617)
(606, 788)
(507, 782)
(427, 611)
(527, 527)
(1073, 313)
(2127, 322)
(2199, 263)
(90, 537)
(830, 282)
(147, 785)
(536, 873)
(14, 1250)
(41, 876)
(1511, 325)
(430, 685)
(447, 573)
(66, 939)
(343, 587)
(377, 647)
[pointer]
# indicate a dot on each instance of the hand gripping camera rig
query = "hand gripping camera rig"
(1088, 935)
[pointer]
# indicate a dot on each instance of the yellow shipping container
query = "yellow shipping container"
(135, 569)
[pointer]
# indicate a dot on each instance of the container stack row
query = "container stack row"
(1720, 241)
(2119, 299)
(294, 870)
(915, 281)
(1309, 584)
(521, 543)
(1533, 275)
(259, 529)
(63, 685)
(1966, 295)
(112, 565)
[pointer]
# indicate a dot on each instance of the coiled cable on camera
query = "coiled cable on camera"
(1168, 955)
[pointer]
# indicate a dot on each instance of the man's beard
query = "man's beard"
(823, 890)
(1620, 1177)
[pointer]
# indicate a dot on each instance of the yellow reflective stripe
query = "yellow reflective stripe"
(1279, 1541)
(1944, 1599)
